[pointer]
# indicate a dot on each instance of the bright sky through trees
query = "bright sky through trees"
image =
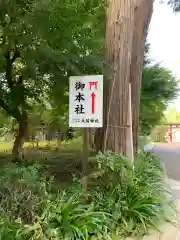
(164, 37)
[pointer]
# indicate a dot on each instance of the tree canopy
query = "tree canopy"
(159, 88)
(172, 115)
(36, 55)
(41, 44)
(175, 4)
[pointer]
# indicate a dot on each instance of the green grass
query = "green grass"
(43, 198)
(120, 202)
(75, 144)
(5, 146)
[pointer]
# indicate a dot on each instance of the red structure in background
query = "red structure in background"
(174, 132)
(170, 132)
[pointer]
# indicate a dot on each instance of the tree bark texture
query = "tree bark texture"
(142, 17)
(20, 137)
(118, 46)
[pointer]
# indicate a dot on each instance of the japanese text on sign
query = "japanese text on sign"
(86, 101)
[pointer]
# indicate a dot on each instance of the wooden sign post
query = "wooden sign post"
(86, 110)
(85, 164)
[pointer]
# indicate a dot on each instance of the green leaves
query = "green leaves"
(159, 87)
(120, 202)
(66, 219)
(68, 40)
(134, 197)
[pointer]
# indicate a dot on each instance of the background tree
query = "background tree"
(172, 115)
(38, 58)
(159, 88)
(175, 4)
(6, 126)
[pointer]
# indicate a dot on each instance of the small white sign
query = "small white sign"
(86, 101)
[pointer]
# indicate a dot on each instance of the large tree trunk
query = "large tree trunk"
(143, 12)
(120, 24)
(20, 137)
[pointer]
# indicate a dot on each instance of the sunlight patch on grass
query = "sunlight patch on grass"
(5, 146)
(75, 144)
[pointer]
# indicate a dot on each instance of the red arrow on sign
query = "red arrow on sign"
(93, 95)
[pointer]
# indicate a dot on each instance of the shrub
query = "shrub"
(21, 190)
(122, 200)
(134, 196)
(29, 209)
(65, 219)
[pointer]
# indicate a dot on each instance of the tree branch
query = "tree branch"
(13, 113)
(16, 55)
(9, 71)
(9, 66)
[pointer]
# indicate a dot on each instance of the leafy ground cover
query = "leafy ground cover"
(121, 201)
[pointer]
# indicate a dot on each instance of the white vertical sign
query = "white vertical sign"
(86, 101)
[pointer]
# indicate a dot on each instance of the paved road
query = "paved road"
(170, 154)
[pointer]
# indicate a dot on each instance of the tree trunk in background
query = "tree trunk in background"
(20, 137)
(118, 46)
(142, 17)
